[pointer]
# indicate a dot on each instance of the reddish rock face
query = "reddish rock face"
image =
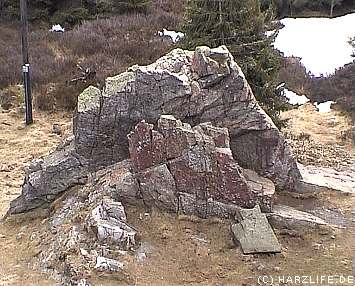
(147, 147)
(195, 161)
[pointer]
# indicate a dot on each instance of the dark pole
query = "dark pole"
(26, 64)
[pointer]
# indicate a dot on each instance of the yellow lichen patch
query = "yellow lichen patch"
(89, 99)
(118, 83)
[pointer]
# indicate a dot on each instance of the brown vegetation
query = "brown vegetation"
(106, 46)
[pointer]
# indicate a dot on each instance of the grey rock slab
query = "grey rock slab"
(315, 179)
(285, 217)
(47, 178)
(253, 232)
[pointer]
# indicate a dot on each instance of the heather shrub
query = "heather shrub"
(104, 46)
(131, 6)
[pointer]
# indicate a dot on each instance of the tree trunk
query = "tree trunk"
(332, 8)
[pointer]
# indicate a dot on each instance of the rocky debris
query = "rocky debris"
(95, 237)
(107, 264)
(285, 217)
(109, 222)
(253, 232)
(205, 85)
(314, 179)
(47, 178)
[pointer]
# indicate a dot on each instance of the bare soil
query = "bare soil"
(174, 255)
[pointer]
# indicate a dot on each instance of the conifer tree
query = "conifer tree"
(241, 26)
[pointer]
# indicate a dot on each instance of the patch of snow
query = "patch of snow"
(294, 98)
(321, 43)
(173, 35)
(324, 107)
(57, 28)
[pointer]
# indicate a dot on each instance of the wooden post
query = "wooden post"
(26, 64)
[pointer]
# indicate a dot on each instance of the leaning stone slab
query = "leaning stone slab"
(315, 179)
(253, 232)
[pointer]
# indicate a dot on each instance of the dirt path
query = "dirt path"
(176, 258)
(18, 146)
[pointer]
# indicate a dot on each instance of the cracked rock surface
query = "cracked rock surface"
(205, 85)
(180, 169)
(49, 177)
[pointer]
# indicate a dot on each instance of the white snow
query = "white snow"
(324, 107)
(294, 98)
(57, 28)
(173, 35)
(321, 43)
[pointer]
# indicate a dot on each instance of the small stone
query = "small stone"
(333, 236)
(2, 236)
(165, 235)
(277, 269)
(141, 256)
(57, 129)
(84, 252)
(107, 264)
(246, 258)
(20, 235)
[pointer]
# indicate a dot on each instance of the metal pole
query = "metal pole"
(221, 19)
(26, 64)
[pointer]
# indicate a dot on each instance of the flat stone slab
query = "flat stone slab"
(315, 179)
(285, 217)
(253, 232)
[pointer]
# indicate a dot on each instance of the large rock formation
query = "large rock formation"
(200, 86)
(197, 87)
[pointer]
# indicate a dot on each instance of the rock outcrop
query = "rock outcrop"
(201, 86)
(197, 87)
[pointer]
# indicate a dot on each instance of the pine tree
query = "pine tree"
(241, 26)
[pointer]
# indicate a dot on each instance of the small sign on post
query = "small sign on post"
(26, 65)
